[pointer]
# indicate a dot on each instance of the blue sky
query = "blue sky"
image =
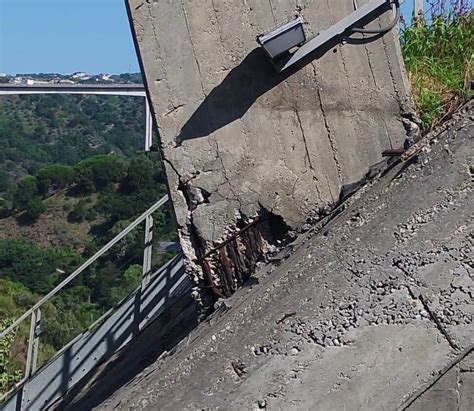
(64, 36)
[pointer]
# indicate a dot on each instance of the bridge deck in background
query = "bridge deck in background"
(104, 89)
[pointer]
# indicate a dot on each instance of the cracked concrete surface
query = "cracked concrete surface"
(364, 312)
(454, 390)
(239, 140)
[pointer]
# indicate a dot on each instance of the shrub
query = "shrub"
(78, 213)
(27, 189)
(8, 374)
(34, 208)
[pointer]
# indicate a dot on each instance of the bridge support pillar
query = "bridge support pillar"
(242, 143)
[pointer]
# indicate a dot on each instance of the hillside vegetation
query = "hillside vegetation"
(36, 130)
(72, 176)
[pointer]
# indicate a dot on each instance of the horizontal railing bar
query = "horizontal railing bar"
(86, 264)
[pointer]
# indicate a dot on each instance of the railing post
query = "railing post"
(148, 246)
(148, 126)
(33, 344)
(147, 251)
(36, 342)
(418, 10)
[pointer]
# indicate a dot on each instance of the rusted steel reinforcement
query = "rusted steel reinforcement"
(229, 264)
(231, 238)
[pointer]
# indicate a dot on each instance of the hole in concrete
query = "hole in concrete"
(273, 229)
(233, 262)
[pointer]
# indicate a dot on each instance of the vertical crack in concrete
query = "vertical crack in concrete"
(419, 296)
(371, 68)
(226, 177)
(330, 13)
(390, 71)
(193, 46)
(456, 388)
(387, 133)
(332, 141)
(272, 11)
(219, 29)
(308, 156)
(346, 73)
(245, 135)
(156, 37)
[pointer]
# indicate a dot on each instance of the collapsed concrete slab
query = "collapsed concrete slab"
(252, 155)
(365, 312)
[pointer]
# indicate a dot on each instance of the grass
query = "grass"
(439, 57)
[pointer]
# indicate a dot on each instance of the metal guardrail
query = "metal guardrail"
(35, 312)
(168, 288)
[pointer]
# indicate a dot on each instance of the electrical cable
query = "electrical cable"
(396, 11)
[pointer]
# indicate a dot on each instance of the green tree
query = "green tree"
(23, 261)
(4, 181)
(27, 189)
(140, 174)
(34, 208)
(55, 176)
(5, 207)
(102, 170)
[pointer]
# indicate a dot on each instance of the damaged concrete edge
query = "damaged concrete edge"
(266, 245)
(227, 263)
(220, 273)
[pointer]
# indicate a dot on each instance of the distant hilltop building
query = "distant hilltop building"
(105, 76)
(80, 75)
(77, 77)
(23, 80)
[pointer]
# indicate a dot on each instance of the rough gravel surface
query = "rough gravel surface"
(361, 314)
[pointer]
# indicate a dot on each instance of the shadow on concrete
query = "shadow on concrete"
(233, 97)
(161, 336)
(245, 83)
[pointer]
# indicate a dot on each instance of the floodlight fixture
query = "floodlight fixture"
(283, 38)
(287, 44)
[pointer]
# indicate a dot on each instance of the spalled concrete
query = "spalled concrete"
(363, 313)
(240, 141)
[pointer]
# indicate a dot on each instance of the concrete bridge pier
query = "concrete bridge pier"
(252, 155)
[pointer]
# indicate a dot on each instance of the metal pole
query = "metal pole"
(148, 246)
(147, 251)
(36, 342)
(333, 32)
(418, 9)
(33, 341)
(148, 126)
